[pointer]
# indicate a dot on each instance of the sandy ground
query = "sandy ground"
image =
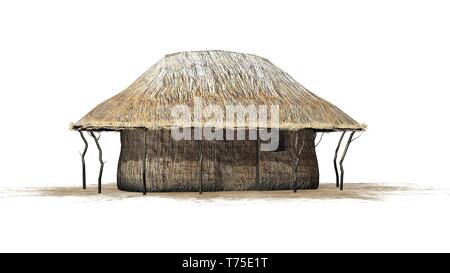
(361, 191)
(363, 217)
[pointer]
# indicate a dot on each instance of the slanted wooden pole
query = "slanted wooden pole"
(320, 139)
(144, 165)
(335, 159)
(83, 162)
(100, 159)
(296, 158)
(200, 188)
(350, 138)
(258, 154)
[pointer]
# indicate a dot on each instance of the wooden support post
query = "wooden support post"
(320, 139)
(350, 138)
(200, 189)
(258, 154)
(335, 159)
(144, 165)
(100, 159)
(83, 162)
(296, 158)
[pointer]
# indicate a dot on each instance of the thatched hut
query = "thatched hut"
(151, 159)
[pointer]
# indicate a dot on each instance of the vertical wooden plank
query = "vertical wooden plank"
(298, 152)
(200, 188)
(258, 155)
(144, 165)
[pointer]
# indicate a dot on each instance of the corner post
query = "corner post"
(350, 138)
(100, 159)
(335, 159)
(83, 162)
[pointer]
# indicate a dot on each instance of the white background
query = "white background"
(385, 63)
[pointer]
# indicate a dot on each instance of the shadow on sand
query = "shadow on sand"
(361, 191)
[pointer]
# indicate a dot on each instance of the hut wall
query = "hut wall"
(228, 165)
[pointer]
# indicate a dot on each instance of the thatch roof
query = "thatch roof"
(220, 78)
